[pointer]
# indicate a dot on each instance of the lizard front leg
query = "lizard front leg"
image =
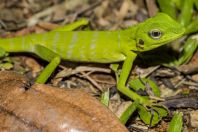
(126, 68)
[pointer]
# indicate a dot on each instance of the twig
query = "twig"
(152, 7)
(190, 83)
(94, 5)
(156, 98)
(80, 12)
(180, 83)
(151, 71)
(35, 18)
(69, 72)
(3, 24)
(91, 80)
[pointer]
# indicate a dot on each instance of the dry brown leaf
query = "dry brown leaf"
(192, 65)
(46, 108)
(33, 65)
(152, 7)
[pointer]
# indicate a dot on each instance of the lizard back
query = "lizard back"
(85, 46)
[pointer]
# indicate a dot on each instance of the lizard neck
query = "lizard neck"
(128, 39)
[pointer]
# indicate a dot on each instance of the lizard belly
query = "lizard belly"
(102, 57)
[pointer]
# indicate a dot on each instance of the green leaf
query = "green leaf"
(196, 3)
(161, 110)
(137, 84)
(6, 66)
(176, 123)
(153, 116)
(178, 3)
(168, 7)
(192, 27)
(186, 12)
(140, 83)
(3, 53)
(187, 52)
(105, 98)
(6, 63)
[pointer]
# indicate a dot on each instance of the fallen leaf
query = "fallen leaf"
(45, 108)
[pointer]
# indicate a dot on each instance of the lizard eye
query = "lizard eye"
(155, 34)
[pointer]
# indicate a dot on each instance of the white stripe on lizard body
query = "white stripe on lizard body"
(93, 44)
(71, 45)
(55, 40)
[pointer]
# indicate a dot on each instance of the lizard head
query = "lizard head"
(157, 31)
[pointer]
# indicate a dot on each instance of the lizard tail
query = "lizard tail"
(17, 44)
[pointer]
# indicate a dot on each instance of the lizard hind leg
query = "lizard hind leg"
(72, 26)
(47, 71)
(50, 56)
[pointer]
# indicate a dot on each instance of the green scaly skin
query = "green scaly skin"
(98, 46)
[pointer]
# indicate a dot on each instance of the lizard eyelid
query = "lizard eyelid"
(155, 34)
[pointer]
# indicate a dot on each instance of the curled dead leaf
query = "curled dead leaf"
(45, 108)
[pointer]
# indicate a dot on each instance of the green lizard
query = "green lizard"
(98, 46)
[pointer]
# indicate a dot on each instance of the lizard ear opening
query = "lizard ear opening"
(140, 44)
(155, 34)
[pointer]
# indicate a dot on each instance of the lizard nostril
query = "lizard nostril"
(141, 42)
